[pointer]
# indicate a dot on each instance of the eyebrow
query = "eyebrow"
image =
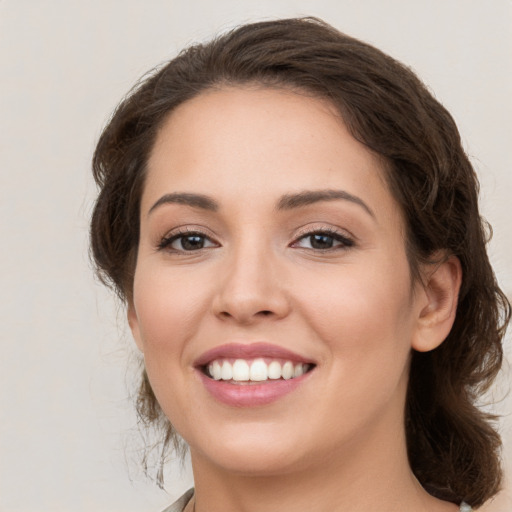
(301, 199)
(188, 199)
(286, 202)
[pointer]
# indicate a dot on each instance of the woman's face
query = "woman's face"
(270, 245)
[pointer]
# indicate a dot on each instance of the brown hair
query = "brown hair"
(453, 447)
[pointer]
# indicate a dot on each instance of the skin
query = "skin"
(337, 442)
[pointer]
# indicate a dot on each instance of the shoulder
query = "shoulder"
(180, 503)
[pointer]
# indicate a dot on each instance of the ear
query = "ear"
(133, 322)
(438, 303)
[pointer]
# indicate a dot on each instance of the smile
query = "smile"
(257, 374)
(256, 370)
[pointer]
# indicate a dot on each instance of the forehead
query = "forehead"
(266, 142)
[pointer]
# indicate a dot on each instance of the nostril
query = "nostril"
(241, 317)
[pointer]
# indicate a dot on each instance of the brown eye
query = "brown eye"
(323, 241)
(186, 242)
(191, 242)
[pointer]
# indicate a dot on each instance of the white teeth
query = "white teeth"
(298, 370)
(240, 370)
(227, 371)
(256, 371)
(287, 371)
(216, 371)
(274, 370)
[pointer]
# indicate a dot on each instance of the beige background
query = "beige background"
(67, 431)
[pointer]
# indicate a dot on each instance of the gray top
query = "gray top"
(179, 505)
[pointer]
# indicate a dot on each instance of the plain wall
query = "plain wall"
(67, 431)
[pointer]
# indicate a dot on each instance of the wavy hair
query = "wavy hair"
(453, 446)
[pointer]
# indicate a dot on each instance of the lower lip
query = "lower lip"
(251, 395)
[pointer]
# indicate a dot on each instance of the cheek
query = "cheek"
(366, 326)
(168, 311)
(169, 306)
(363, 314)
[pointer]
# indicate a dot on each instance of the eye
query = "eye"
(186, 242)
(323, 240)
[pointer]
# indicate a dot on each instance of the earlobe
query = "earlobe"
(440, 292)
(133, 322)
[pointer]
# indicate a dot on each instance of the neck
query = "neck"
(377, 477)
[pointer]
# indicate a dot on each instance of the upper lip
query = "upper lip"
(249, 351)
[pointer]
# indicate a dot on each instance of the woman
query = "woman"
(293, 225)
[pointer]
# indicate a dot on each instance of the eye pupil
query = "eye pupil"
(319, 241)
(192, 242)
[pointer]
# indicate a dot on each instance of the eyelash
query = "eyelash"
(167, 241)
(344, 241)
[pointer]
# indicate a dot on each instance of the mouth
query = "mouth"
(250, 375)
(246, 371)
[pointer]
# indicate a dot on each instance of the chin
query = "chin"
(252, 454)
(256, 462)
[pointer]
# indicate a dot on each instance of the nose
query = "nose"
(251, 287)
